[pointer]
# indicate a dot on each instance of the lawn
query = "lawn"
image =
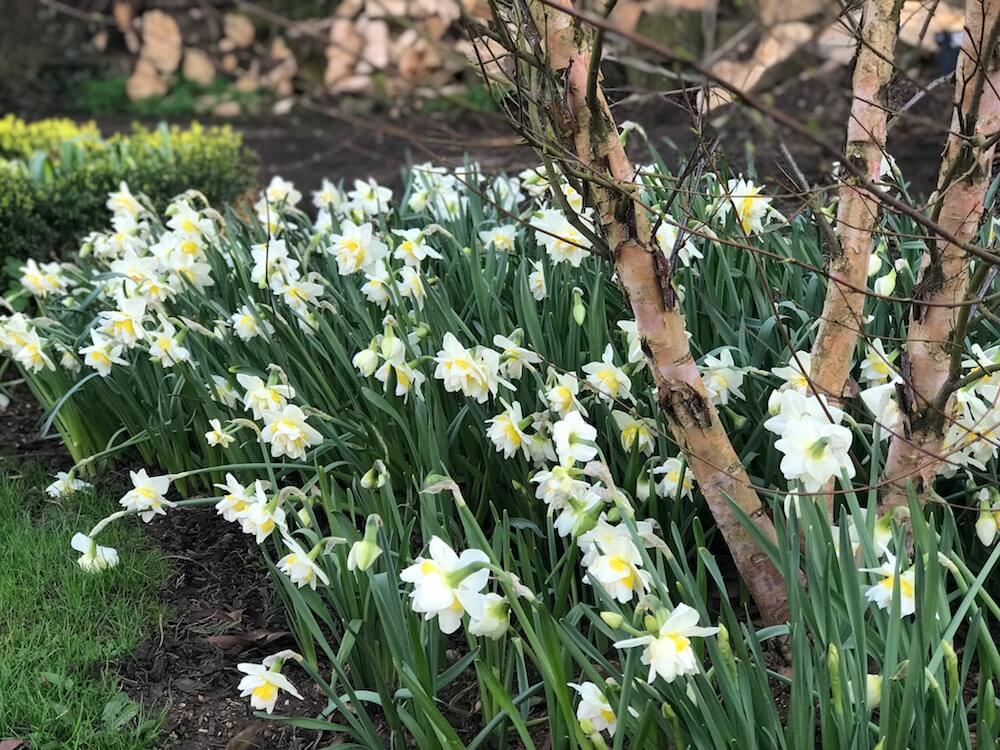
(63, 629)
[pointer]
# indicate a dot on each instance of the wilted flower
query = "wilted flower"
(65, 485)
(94, 558)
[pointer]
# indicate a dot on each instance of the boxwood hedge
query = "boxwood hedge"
(55, 176)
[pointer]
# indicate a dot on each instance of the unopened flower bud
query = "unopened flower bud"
(612, 619)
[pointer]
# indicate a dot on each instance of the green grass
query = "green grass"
(62, 629)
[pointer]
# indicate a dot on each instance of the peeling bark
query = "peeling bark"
(857, 213)
(588, 129)
(944, 269)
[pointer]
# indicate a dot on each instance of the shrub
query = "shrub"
(377, 391)
(58, 177)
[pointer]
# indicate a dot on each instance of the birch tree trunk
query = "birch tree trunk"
(587, 129)
(857, 214)
(937, 330)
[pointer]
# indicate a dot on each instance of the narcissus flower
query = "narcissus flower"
(263, 515)
(633, 340)
(744, 199)
(608, 379)
(494, 619)
(796, 374)
(988, 523)
(288, 433)
(281, 192)
(235, 501)
(536, 281)
(93, 558)
(165, 346)
(413, 248)
(562, 241)
(634, 432)
(666, 238)
(561, 395)
(574, 439)
(885, 285)
(475, 373)
(102, 353)
(669, 653)
(260, 397)
(264, 681)
(272, 264)
(65, 485)
(447, 585)
(882, 592)
(217, 436)
(506, 432)
(147, 496)
(618, 569)
(124, 325)
(594, 711)
(500, 238)
(300, 566)
(876, 367)
(356, 248)
(671, 471)
(721, 377)
(247, 325)
(514, 357)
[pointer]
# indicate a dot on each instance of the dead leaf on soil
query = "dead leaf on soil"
(245, 640)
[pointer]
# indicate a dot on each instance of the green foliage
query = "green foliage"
(50, 198)
(63, 628)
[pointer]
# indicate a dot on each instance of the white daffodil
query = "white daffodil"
(559, 483)
(500, 238)
(262, 685)
(666, 239)
(329, 196)
(796, 374)
(93, 558)
(562, 241)
(102, 353)
(594, 712)
(124, 325)
(370, 198)
(411, 285)
(988, 522)
(147, 496)
(882, 592)
(885, 285)
(217, 436)
(574, 439)
(366, 362)
(43, 280)
(413, 248)
(561, 396)
(165, 346)
(263, 515)
(744, 199)
(247, 325)
(514, 357)
(65, 485)
(668, 653)
(281, 192)
(576, 514)
(506, 433)
(260, 397)
(272, 264)
(288, 433)
(634, 432)
(475, 373)
(876, 367)
(633, 340)
(407, 377)
(494, 620)
(881, 401)
(721, 377)
(31, 354)
(815, 451)
(377, 284)
(618, 569)
(447, 585)
(536, 281)
(122, 202)
(671, 471)
(300, 566)
(608, 379)
(356, 248)
(236, 499)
